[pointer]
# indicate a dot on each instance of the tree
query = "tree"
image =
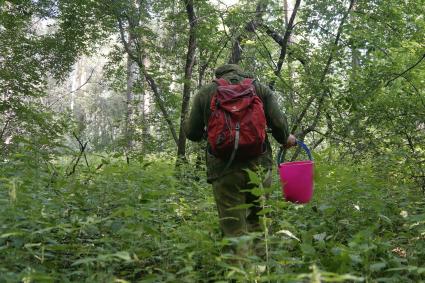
(190, 61)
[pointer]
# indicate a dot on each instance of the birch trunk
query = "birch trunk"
(129, 125)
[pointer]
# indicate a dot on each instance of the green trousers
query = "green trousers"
(230, 191)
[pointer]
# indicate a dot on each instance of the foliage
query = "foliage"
(348, 73)
(139, 223)
(29, 55)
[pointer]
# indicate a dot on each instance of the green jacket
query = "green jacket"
(196, 124)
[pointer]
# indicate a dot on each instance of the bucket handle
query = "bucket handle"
(300, 144)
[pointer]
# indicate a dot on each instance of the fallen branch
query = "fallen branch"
(82, 149)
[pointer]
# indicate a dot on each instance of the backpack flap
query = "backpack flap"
(236, 110)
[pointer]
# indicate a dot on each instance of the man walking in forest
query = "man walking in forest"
(226, 167)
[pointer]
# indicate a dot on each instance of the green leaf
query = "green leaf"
(241, 206)
(378, 266)
(253, 177)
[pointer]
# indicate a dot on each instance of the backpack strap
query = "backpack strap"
(235, 148)
(221, 82)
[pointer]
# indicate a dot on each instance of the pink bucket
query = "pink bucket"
(297, 179)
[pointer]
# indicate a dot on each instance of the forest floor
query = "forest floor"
(139, 223)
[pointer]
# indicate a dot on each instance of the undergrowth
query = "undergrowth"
(138, 222)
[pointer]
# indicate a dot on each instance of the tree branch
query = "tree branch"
(324, 73)
(157, 95)
(72, 91)
(329, 130)
(405, 71)
(273, 34)
(204, 66)
(333, 137)
(125, 43)
(286, 37)
(250, 26)
(151, 82)
(82, 149)
(6, 124)
(267, 50)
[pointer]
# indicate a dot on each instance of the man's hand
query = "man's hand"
(290, 142)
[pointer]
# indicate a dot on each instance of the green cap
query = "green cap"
(224, 69)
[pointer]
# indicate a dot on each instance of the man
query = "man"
(230, 182)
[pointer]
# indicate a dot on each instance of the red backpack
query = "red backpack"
(237, 125)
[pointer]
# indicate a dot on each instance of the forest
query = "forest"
(98, 182)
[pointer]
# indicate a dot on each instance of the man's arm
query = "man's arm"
(194, 125)
(276, 120)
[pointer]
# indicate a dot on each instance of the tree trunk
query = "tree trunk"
(135, 54)
(161, 105)
(285, 41)
(190, 60)
(143, 118)
(251, 26)
(291, 100)
(129, 127)
(320, 98)
(236, 54)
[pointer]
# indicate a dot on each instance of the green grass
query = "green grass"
(139, 223)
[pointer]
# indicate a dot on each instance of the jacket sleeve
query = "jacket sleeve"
(276, 120)
(194, 124)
